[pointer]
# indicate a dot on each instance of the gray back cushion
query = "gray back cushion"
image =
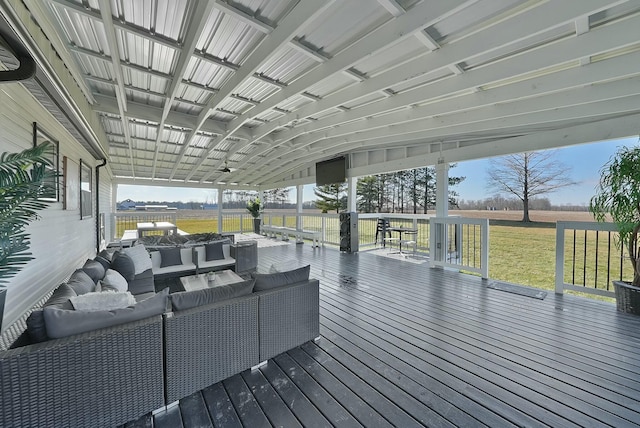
(81, 282)
(106, 264)
(213, 251)
(267, 281)
(35, 322)
(94, 269)
(62, 323)
(191, 299)
(124, 265)
(170, 257)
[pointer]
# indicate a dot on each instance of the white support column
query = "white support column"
(442, 188)
(299, 190)
(439, 232)
(114, 210)
(220, 196)
(352, 183)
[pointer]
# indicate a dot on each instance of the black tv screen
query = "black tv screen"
(331, 171)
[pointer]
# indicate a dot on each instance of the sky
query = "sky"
(583, 161)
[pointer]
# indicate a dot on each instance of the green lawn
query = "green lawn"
(527, 255)
(521, 254)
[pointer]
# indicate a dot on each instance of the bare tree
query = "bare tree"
(527, 175)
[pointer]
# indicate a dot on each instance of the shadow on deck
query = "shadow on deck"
(404, 345)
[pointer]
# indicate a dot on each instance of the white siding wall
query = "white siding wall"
(106, 200)
(60, 240)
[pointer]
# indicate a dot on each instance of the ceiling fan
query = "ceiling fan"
(226, 167)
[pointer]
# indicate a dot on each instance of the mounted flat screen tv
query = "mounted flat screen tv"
(331, 171)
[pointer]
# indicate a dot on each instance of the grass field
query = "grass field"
(518, 253)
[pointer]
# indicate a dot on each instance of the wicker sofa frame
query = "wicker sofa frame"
(89, 379)
(114, 375)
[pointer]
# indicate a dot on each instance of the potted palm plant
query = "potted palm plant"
(25, 178)
(618, 196)
(255, 209)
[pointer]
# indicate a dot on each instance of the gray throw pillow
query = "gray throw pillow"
(267, 281)
(190, 299)
(106, 254)
(81, 282)
(62, 323)
(106, 264)
(94, 269)
(213, 251)
(170, 257)
(123, 264)
(35, 322)
(113, 281)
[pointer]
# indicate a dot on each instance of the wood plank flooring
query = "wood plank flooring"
(407, 346)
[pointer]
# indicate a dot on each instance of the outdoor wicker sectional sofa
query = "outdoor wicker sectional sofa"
(108, 376)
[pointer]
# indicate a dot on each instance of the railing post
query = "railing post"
(560, 228)
(323, 230)
(484, 254)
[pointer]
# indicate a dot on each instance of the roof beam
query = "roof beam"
(392, 7)
(305, 11)
(196, 23)
(422, 15)
(502, 34)
(313, 54)
(549, 119)
(244, 17)
(105, 12)
(463, 110)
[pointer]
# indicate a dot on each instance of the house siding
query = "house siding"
(60, 240)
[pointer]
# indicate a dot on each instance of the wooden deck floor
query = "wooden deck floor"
(404, 345)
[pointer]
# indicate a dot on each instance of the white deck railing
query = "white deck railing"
(460, 243)
(588, 259)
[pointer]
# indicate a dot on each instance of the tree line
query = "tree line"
(407, 191)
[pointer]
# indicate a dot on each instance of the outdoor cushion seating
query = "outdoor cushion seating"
(214, 256)
(104, 368)
(84, 368)
(185, 266)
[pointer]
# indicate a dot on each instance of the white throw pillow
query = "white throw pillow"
(104, 301)
(140, 257)
(113, 281)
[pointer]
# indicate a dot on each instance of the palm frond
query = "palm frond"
(24, 178)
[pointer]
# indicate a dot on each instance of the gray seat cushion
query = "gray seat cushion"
(142, 283)
(62, 323)
(267, 281)
(191, 299)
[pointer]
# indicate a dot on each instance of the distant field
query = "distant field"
(535, 216)
(518, 253)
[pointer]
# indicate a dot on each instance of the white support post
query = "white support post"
(352, 183)
(299, 190)
(560, 228)
(439, 232)
(114, 210)
(220, 197)
(442, 188)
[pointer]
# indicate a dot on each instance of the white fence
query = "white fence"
(588, 259)
(460, 243)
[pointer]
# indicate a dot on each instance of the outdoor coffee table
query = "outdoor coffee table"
(201, 281)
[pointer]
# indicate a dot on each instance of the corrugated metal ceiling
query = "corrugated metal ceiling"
(272, 86)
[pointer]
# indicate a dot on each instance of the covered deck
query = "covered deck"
(404, 345)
